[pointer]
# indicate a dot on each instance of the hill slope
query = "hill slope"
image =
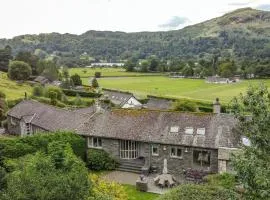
(241, 33)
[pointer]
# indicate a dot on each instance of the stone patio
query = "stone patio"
(131, 178)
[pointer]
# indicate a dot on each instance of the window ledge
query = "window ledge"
(175, 157)
(155, 155)
(91, 147)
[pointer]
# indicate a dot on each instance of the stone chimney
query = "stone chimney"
(216, 106)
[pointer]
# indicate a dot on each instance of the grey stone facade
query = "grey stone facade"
(176, 166)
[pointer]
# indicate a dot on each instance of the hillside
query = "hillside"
(244, 33)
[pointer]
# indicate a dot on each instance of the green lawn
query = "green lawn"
(107, 72)
(133, 194)
(177, 88)
(12, 89)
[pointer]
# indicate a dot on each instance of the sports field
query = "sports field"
(177, 88)
(107, 72)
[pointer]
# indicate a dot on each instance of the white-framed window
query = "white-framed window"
(201, 131)
(95, 142)
(174, 129)
(155, 151)
(189, 130)
(176, 152)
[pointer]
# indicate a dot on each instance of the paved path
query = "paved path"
(131, 178)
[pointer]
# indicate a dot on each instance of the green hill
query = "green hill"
(241, 34)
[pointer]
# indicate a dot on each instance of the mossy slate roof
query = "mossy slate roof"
(47, 117)
(154, 126)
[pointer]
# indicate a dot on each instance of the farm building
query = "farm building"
(139, 139)
(217, 79)
(121, 99)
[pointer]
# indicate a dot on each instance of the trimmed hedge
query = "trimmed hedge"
(81, 93)
(200, 192)
(11, 148)
(98, 159)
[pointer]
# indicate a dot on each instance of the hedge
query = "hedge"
(81, 93)
(98, 159)
(200, 192)
(11, 148)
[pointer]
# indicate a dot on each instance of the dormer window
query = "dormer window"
(189, 130)
(174, 129)
(201, 131)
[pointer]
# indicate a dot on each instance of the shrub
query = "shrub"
(12, 103)
(59, 174)
(95, 83)
(186, 106)
(3, 176)
(38, 91)
(17, 147)
(199, 192)
(225, 180)
(104, 190)
(53, 97)
(98, 159)
(97, 74)
(76, 79)
(78, 100)
(74, 93)
(50, 89)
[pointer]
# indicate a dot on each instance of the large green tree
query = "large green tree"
(252, 164)
(57, 175)
(48, 69)
(19, 70)
(5, 56)
(29, 58)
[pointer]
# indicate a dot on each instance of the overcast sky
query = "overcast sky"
(78, 16)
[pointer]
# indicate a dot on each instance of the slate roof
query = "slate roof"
(117, 97)
(89, 110)
(41, 79)
(154, 126)
(47, 117)
(155, 103)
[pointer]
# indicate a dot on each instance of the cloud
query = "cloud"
(238, 4)
(174, 22)
(263, 7)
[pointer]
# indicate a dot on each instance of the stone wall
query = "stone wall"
(175, 165)
(14, 126)
(178, 165)
(224, 159)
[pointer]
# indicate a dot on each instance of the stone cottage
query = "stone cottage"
(140, 139)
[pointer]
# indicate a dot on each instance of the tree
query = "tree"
(76, 79)
(3, 106)
(57, 175)
(227, 69)
(154, 62)
(94, 83)
(5, 56)
(29, 58)
(129, 65)
(19, 70)
(38, 91)
(252, 164)
(144, 66)
(50, 70)
(65, 73)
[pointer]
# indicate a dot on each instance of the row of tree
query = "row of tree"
(202, 67)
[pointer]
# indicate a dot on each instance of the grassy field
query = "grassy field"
(107, 72)
(177, 88)
(12, 89)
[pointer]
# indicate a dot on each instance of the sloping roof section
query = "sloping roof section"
(47, 117)
(117, 97)
(155, 103)
(154, 126)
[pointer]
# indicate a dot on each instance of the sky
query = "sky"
(20, 17)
